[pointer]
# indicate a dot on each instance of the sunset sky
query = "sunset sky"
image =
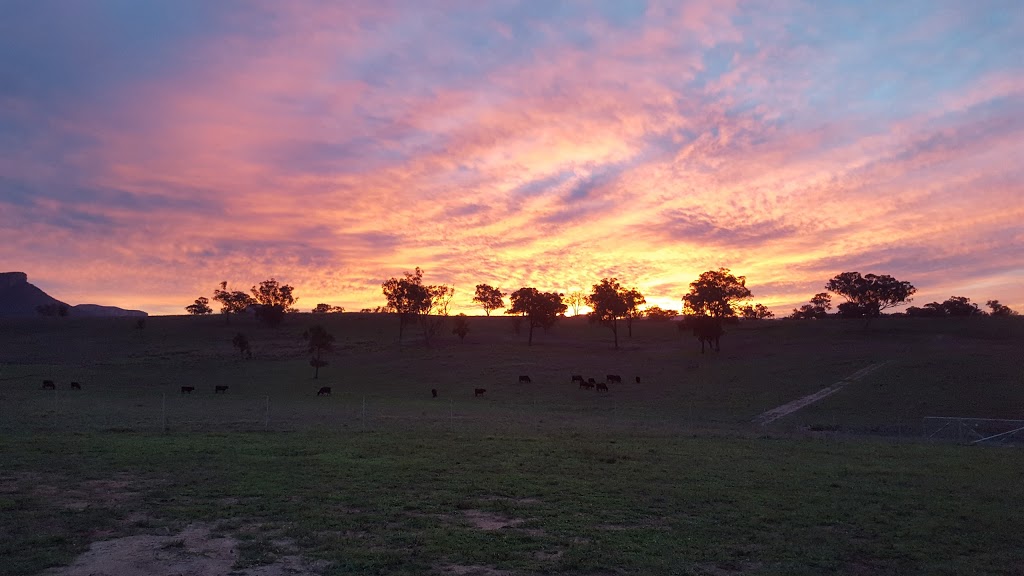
(151, 148)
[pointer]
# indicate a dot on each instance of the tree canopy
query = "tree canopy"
(489, 297)
(272, 300)
(413, 300)
(715, 293)
(659, 313)
(327, 309)
(1000, 309)
(231, 301)
(953, 306)
(609, 303)
(200, 307)
(756, 312)
(820, 304)
(866, 296)
(541, 309)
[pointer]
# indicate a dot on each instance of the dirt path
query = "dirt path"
(787, 409)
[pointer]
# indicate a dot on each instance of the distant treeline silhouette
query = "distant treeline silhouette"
(714, 298)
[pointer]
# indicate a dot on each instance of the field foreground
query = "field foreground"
(434, 502)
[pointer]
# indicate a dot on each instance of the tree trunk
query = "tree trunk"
(615, 331)
(530, 341)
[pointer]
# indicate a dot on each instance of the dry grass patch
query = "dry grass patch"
(483, 520)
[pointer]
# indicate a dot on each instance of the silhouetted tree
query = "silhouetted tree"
(658, 313)
(408, 298)
(634, 300)
(489, 297)
(437, 313)
(608, 303)
(711, 301)
(461, 326)
(272, 300)
(954, 306)
(576, 300)
(541, 309)
(999, 309)
(319, 341)
(200, 307)
(231, 301)
(866, 296)
(328, 309)
(241, 341)
(714, 293)
(756, 312)
(820, 304)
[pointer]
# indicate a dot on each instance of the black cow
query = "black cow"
(613, 378)
(49, 385)
(577, 378)
(479, 391)
(602, 386)
(637, 379)
(433, 392)
(525, 380)
(76, 386)
(187, 389)
(220, 389)
(324, 391)
(590, 383)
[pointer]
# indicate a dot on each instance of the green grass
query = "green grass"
(395, 503)
(663, 477)
(958, 367)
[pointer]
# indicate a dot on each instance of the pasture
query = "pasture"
(668, 476)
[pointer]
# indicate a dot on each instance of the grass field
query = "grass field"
(668, 476)
(968, 368)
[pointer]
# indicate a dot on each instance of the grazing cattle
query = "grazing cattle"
(479, 391)
(602, 386)
(49, 385)
(590, 383)
(433, 392)
(637, 379)
(76, 386)
(577, 378)
(525, 380)
(187, 389)
(220, 389)
(323, 391)
(613, 378)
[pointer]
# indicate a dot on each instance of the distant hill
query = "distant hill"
(20, 299)
(97, 310)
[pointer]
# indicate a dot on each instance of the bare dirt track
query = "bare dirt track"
(786, 409)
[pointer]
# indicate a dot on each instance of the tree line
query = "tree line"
(718, 295)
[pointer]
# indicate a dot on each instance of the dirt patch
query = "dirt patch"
(490, 521)
(192, 552)
(464, 570)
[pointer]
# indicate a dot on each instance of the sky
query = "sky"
(151, 149)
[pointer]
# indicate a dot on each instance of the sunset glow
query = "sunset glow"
(150, 150)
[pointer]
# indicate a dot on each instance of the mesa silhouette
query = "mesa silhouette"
(20, 299)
